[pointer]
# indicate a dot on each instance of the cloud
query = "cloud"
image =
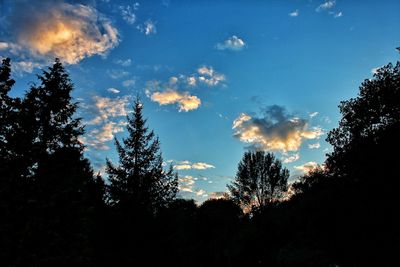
(276, 130)
(307, 167)
(105, 108)
(51, 29)
(186, 183)
(290, 158)
(127, 13)
(117, 73)
(148, 27)
(191, 81)
(98, 137)
(25, 66)
(209, 76)
(233, 43)
(294, 13)
(201, 193)
(124, 63)
(113, 90)
(218, 195)
(326, 5)
(313, 114)
(338, 14)
(185, 101)
(314, 146)
(129, 83)
(187, 165)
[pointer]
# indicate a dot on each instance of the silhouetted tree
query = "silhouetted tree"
(139, 181)
(61, 201)
(260, 179)
(369, 124)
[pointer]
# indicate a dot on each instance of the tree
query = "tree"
(63, 193)
(260, 180)
(139, 181)
(369, 127)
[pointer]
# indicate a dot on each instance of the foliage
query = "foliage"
(139, 181)
(260, 180)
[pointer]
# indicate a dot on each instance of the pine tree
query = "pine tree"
(62, 197)
(139, 181)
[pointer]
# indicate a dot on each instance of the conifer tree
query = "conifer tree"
(139, 180)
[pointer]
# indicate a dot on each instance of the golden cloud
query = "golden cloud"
(275, 131)
(185, 101)
(70, 32)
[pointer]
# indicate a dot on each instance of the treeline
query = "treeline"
(55, 211)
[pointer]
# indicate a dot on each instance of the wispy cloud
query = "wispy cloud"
(233, 43)
(290, 158)
(307, 167)
(113, 90)
(276, 130)
(148, 27)
(184, 100)
(326, 5)
(209, 76)
(124, 62)
(127, 13)
(314, 146)
(313, 114)
(105, 108)
(294, 13)
(117, 73)
(187, 165)
(129, 83)
(70, 32)
(186, 183)
(338, 14)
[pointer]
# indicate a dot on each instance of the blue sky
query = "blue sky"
(216, 77)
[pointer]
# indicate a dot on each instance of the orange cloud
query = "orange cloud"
(70, 32)
(185, 101)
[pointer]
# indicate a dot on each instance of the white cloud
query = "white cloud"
(186, 183)
(290, 158)
(148, 27)
(307, 167)
(124, 62)
(201, 193)
(127, 13)
(185, 101)
(276, 130)
(209, 76)
(105, 108)
(25, 66)
(314, 146)
(187, 165)
(338, 14)
(70, 32)
(313, 114)
(117, 74)
(191, 81)
(3, 45)
(232, 43)
(294, 13)
(113, 90)
(129, 83)
(326, 5)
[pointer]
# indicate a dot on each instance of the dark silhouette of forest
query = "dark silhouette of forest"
(55, 211)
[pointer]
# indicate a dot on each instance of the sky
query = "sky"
(217, 78)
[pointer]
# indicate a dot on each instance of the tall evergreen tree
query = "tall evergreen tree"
(260, 180)
(139, 180)
(62, 199)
